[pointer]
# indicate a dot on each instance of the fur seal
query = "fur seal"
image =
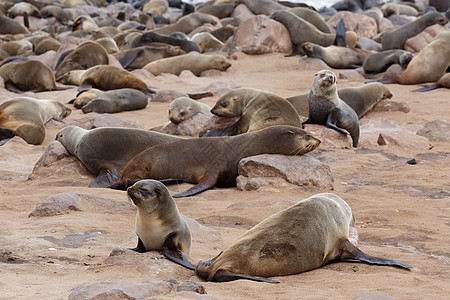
(159, 224)
(109, 44)
(444, 82)
(207, 42)
(104, 77)
(31, 75)
(213, 161)
(361, 99)
(108, 148)
(301, 30)
(137, 58)
(379, 62)
(326, 108)
(223, 33)
(115, 101)
(155, 7)
(303, 237)
(335, 56)
(396, 38)
(196, 63)
(149, 38)
(187, 23)
(184, 108)
(27, 117)
(20, 8)
(258, 109)
(86, 55)
(85, 97)
(312, 17)
(44, 44)
(221, 10)
(9, 26)
(262, 7)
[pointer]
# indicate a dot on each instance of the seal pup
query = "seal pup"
(104, 77)
(159, 224)
(184, 108)
(108, 148)
(257, 110)
(27, 117)
(212, 161)
(196, 63)
(85, 97)
(303, 237)
(115, 101)
(326, 108)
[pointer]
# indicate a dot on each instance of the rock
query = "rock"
(143, 75)
(218, 87)
(167, 96)
(104, 120)
(420, 41)
(384, 132)
(241, 13)
(190, 127)
(260, 34)
(390, 105)
(311, 63)
(186, 74)
(367, 26)
(56, 162)
(350, 74)
(47, 58)
(64, 203)
(217, 122)
(385, 25)
(301, 170)
(329, 138)
(201, 233)
(211, 73)
(436, 131)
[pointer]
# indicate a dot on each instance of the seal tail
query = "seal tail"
(349, 251)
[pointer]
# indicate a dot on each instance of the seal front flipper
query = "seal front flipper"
(205, 183)
(222, 276)
(331, 123)
(128, 58)
(349, 251)
(227, 131)
(171, 251)
(140, 247)
(103, 179)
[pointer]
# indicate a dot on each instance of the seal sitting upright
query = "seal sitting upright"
(303, 237)
(159, 224)
(326, 108)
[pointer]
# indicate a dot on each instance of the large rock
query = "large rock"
(167, 96)
(64, 203)
(329, 138)
(420, 41)
(384, 132)
(57, 162)
(271, 170)
(365, 26)
(103, 120)
(260, 35)
(391, 105)
(135, 289)
(241, 13)
(436, 131)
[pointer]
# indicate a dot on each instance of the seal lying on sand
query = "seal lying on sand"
(303, 237)
(211, 161)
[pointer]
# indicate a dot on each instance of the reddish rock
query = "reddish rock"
(260, 35)
(241, 13)
(436, 131)
(367, 26)
(311, 63)
(351, 74)
(390, 105)
(329, 138)
(190, 127)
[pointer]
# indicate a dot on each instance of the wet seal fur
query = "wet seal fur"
(108, 148)
(184, 108)
(213, 161)
(27, 117)
(326, 108)
(303, 237)
(115, 101)
(258, 109)
(159, 224)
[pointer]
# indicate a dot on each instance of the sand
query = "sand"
(401, 210)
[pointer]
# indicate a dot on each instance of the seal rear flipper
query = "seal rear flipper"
(102, 180)
(427, 87)
(10, 86)
(349, 251)
(140, 247)
(222, 276)
(128, 58)
(205, 183)
(171, 251)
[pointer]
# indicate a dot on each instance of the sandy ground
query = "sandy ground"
(401, 210)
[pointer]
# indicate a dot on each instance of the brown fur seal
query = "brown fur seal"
(27, 117)
(104, 77)
(86, 55)
(326, 108)
(361, 99)
(312, 17)
(155, 7)
(84, 98)
(258, 109)
(303, 237)
(55, 11)
(31, 75)
(207, 42)
(9, 26)
(108, 148)
(379, 62)
(223, 33)
(115, 101)
(196, 63)
(262, 7)
(19, 9)
(396, 38)
(44, 44)
(109, 44)
(187, 23)
(159, 224)
(302, 31)
(335, 56)
(149, 38)
(184, 108)
(213, 161)
(137, 58)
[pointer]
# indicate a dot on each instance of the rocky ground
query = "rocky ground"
(75, 240)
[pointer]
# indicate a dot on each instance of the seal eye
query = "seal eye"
(307, 137)
(224, 104)
(182, 113)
